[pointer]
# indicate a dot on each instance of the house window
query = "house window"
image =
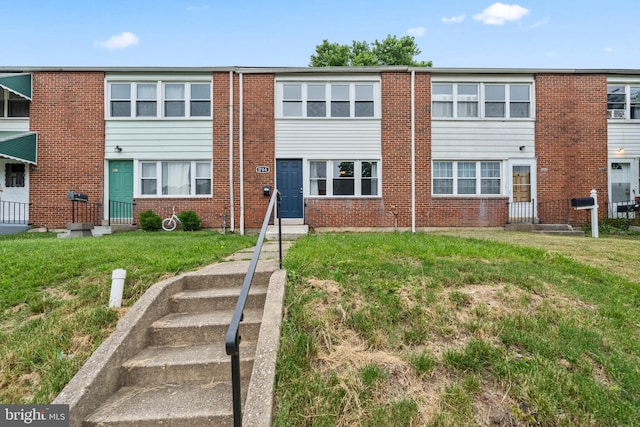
(318, 178)
(623, 101)
(356, 178)
(14, 175)
(327, 100)
(146, 104)
(340, 100)
(316, 101)
(461, 178)
(12, 105)
(343, 179)
(292, 100)
(200, 100)
(147, 100)
(174, 100)
(364, 101)
(121, 100)
(480, 100)
(176, 178)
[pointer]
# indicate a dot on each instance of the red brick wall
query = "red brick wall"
(571, 138)
(461, 212)
(67, 112)
(259, 144)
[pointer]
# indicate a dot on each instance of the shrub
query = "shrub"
(190, 221)
(150, 221)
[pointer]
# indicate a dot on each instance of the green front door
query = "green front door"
(121, 189)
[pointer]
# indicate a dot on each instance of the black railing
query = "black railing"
(84, 211)
(554, 211)
(627, 210)
(233, 337)
(14, 213)
(121, 212)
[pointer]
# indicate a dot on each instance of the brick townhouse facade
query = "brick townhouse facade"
(373, 147)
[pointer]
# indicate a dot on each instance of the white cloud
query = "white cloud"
(454, 19)
(120, 41)
(416, 31)
(608, 50)
(499, 13)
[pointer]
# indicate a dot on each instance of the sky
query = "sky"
(546, 34)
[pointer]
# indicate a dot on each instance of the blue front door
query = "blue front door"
(289, 179)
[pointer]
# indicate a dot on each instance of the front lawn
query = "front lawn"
(54, 296)
(423, 329)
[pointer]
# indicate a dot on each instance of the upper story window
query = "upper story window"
(328, 99)
(12, 105)
(159, 99)
(481, 100)
(623, 101)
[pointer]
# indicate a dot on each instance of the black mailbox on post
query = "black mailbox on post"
(583, 203)
(77, 197)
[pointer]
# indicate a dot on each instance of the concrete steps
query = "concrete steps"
(183, 376)
(175, 405)
(552, 229)
(166, 362)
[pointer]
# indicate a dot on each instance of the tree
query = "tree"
(390, 51)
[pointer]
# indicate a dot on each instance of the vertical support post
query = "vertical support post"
(279, 212)
(237, 390)
(594, 214)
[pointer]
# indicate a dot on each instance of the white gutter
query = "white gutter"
(413, 151)
(241, 152)
(231, 201)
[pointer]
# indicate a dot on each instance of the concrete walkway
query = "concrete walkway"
(186, 315)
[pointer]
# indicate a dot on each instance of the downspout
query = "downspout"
(231, 200)
(413, 151)
(241, 150)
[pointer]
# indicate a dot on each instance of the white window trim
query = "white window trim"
(478, 178)
(329, 184)
(159, 195)
(352, 82)
(482, 99)
(160, 99)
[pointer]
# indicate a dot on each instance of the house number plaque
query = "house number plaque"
(263, 169)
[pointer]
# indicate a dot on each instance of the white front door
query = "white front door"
(522, 190)
(621, 182)
(14, 191)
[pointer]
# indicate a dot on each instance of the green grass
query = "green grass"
(54, 295)
(421, 329)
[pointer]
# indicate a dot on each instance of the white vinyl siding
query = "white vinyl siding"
(626, 136)
(477, 139)
(159, 139)
(328, 139)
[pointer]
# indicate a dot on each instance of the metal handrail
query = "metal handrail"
(233, 339)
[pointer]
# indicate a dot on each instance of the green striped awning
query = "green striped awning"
(22, 146)
(19, 84)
